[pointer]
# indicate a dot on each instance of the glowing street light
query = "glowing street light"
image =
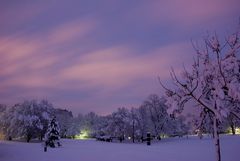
(84, 134)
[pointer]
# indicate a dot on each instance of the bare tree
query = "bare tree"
(213, 82)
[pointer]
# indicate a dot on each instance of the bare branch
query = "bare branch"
(164, 87)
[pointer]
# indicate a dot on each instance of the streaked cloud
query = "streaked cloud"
(98, 56)
(26, 56)
(120, 66)
(186, 13)
(70, 31)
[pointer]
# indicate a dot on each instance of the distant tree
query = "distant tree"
(74, 127)
(119, 123)
(176, 126)
(45, 113)
(27, 120)
(142, 119)
(229, 124)
(102, 126)
(90, 123)
(133, 123)
(65, 118)
(158, 113)
(232, 120)
(213, 82)
(3, 109)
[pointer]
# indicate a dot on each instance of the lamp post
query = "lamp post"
(148, 138)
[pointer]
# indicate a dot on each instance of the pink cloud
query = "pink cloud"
(110, 71)
(185, 12)
(18, 47)
(70, 31)
(25, 58)
(15, 48)
(117, 67)
(37, 62)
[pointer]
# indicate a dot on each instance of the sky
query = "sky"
(92, 55)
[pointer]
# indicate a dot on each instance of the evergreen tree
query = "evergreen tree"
(52, 135)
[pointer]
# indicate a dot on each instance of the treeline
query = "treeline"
(134, 123)
(30, 119)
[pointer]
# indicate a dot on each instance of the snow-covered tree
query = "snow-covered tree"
(65, 118)
(3, 109)
(52, 136)
(157, 113)
(90, 123)
(133, 123)
(45, 113)
(101, 126)
(119, 123)
(176, 126)
(27, 120)
(74, 128)
(142, 119)
(212, 84)
(232, 121)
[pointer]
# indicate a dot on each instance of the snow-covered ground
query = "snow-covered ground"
(172, 149)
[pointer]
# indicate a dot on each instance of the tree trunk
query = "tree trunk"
(233, 129)
(216, 139)
(29, 137)
(133, 136)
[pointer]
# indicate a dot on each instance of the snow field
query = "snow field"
(171, 149)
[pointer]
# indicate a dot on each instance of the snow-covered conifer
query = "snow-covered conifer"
(52, 136)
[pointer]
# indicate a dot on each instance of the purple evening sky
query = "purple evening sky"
(98, 55)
